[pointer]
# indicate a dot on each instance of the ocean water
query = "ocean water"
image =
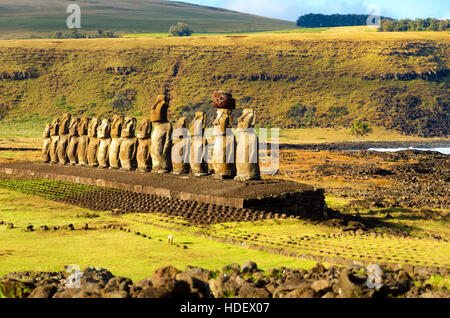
(445, 151)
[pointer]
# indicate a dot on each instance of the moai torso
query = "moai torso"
(63, 139)
(72, 149)
(161, 145)
(223, 159)
(128, 145)
(247, 157)
(103, 135)
(83, 141)
(144, 160)
(198, 162)
(46, 146)
(181, 147)
(93, 143)
(54, 136)
(114, 147)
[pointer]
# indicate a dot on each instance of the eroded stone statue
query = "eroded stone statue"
(247, 157)
(83, 141)
(103, 136)
(223, 159)
(54, 136)
(161, 145)
(128, 145)
(114, 148)
(144, 160)
(63, 139)
(93, 143)
(199, 166)
(181, 147)
(72, 148)
(45, 157)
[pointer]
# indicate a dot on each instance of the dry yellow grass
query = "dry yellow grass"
(252, 39)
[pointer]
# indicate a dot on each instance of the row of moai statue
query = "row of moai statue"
(156, 145)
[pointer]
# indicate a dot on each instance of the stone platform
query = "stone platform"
(272, 195)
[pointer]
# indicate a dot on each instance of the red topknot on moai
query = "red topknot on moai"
(223, 159)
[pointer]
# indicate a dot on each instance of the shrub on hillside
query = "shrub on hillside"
(360, 129)
(301, 116)
(181, 29)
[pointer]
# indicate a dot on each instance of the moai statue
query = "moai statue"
(181, 147)
(93, 143)
(223, 159)
(247, 157)
(199, 166)
(128, 146)
(161, 146)
(54, 136)
(72, 149)
(114, 148)
(63, 139)
(104, 140)
(46, 146)
(144, 160)
(83, 141)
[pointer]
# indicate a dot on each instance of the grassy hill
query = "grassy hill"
(397, 81)
(41, 18)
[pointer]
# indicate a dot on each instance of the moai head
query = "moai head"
(47, 130)
(92, 129)
(247, 119)
(145, 129)
(224, 100)
(116, 126)
(198, 125)
(159, 110)
(64, 124)
(222, 122)
(73, 126)
(103, 130)
(181, 126)
(83, 126)
(129, 127)
(54, 127)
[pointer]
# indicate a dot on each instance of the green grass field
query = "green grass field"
(124, 254)
(42, 18)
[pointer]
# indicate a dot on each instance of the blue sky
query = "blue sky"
(292, 9)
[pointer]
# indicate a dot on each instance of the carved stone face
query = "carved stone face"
(182, 123)
(159, 110)
(73, 127)
(224, 100)
(129, 127)
(103, 131)
(247, 120)
(64, 124)
(93, 125)
(145, 129)
(222, 122)
(47, 130)
(116, 126)
(83, 126)
(54, 127)
(198, 125)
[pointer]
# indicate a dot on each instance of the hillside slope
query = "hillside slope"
(396, 81)
(25, 18)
